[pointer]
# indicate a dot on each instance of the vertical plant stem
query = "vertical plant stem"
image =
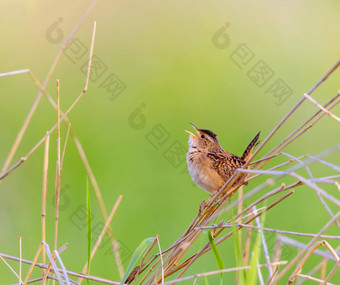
(20, 259)
(44, 195)
(57, 180)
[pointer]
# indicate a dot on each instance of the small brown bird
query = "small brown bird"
(209, 165)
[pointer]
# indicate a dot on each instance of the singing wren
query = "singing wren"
(209, 165)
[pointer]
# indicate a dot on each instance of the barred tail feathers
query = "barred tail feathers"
(249, 149)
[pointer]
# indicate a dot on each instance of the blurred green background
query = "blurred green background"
(176, 62)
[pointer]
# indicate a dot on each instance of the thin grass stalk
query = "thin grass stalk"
(33, 263)
(63, 269)
(44, 195)
(298, 132)
(329, 113)
(246, 246)
(331, 273)
(273, 231)
(23, 159)
(20, 260)
(89, 173)
(302, 252)
(207, 247)
(106, 226)
(176, 254)
(57, 180)
(284, 119)
(45, 266)
(51, 264)
(15, 72)
(264, 246)
(276, 257)
(307, 277)
(161, 258)
(10, 267)
(323, 269)
(219, 272)
(37, 100)
(308, 254)
(100, 201)
(65, 144)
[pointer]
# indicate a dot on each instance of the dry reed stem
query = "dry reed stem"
(57, 179)
(15, 72)
(295, 107)
(221, 271)
(321, 107)
(331, 273)
(302, 252)
(44, 195)
(308, 277)
(308, 254)
(52, 264)
(273, 231)
(322, 266)
(100, 201)
(33, 263)
(67, 280)
(65, 144)
(181, 239)
(20, 258)
(106, 226)
(259, 273)
(276, 258)
(45, 266)
(323, 269)
(37, 100)
(10, 268)
(23, 159)
(301, 245)
(264, 246)
(89, 173)
(161, 258)
(246, 246)
(298, 131)
(88, 170)
(207, 247)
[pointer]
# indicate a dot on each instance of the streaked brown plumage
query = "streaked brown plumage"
(209, 165)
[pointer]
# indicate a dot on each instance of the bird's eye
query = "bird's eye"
(202, 136)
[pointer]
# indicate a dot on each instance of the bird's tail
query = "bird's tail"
(249, 149)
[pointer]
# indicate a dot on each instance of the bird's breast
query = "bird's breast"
(202, 173)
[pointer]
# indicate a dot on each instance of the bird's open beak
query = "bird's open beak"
(190, 133)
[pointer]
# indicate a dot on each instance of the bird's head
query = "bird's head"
(204, 140)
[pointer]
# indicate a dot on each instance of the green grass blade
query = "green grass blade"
(143, 246)
(88, 227)
(217, 255)
(242, 274)
(252, 272)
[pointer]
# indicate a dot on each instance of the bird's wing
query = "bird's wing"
(226, 163)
